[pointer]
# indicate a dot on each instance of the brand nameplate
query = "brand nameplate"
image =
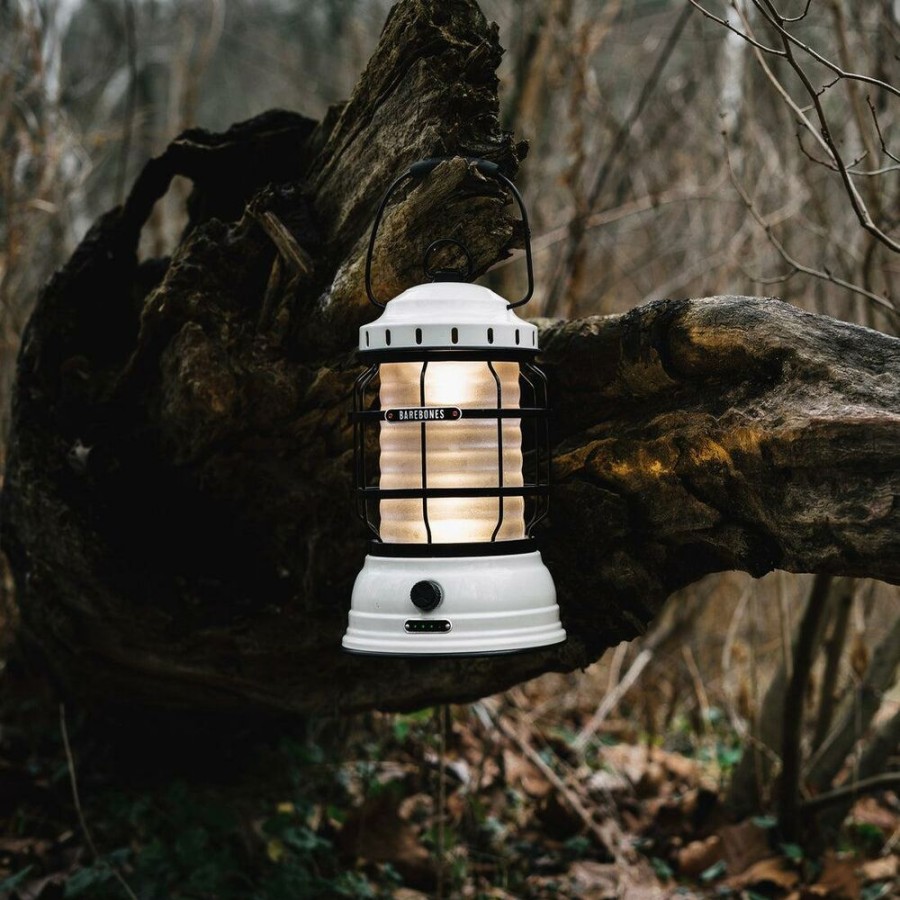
(423, 414)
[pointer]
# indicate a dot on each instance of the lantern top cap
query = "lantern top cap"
(448, 316)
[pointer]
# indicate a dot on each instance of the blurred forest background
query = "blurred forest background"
(669, 156)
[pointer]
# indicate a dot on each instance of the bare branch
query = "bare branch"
(859, 205)
(766, 8)
(131, 99)
(884, 302)
(885, 782)
(726, 24)
(857, 712)
(563, 282)
(884, 148)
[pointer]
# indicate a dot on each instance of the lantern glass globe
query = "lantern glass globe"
(458, 454)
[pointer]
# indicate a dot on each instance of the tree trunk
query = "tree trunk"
(177, 508)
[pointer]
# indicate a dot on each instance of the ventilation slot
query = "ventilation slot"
(517, 335)
(418, 335)
(454, 335)
(490, 335)
(534, 339)
(367, 338)
(387, 336)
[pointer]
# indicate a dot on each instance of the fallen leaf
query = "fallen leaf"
(869, 811)
(521, 773)
(839, 878)
(604, 782)
(699, 855)
(593, 880)
(884, 869)
(679, 766)
(630, 760)
(376, 832)
(416, 807)
(644, 891)
(743, 845)
(766, 872)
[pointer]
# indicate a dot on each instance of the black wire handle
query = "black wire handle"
(425, 167)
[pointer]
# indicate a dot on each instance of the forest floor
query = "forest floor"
(487, 800)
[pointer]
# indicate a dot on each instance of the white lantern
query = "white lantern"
(458, 411)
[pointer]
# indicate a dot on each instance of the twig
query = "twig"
(822, 274)
(577, 224)
(777, 22)
(774, 51)
(70, 762)
(727, 649)
(883, 782)
(884, 148)
(857, 711)
(784, 620)
(611, 700)
(647, 203)
(856, 201)
(131, 99)
(442, 714)
(615, 666)
(677, 618)
(611, 837)
(291, 252)
(697, 678)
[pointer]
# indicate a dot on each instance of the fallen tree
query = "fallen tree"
(177, 505)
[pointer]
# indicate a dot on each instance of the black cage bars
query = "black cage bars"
(533, 411)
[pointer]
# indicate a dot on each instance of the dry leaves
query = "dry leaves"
(376, 832)
(839, 879)
(744, 845)
(698, 856)
(885, 869)
(767, 873)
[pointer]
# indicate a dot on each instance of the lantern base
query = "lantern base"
(487, 604)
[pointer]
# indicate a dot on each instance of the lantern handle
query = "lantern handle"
(421, 169)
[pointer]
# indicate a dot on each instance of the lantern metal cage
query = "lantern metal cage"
(532, 410)
(452, 468)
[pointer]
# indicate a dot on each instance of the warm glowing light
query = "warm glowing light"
(460, 453)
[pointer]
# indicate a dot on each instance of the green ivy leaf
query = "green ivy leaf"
(661, 868)
(714, 872)
(794, 852)
(83, 879)
(15, 880)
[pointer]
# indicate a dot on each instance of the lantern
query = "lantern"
(452, 463)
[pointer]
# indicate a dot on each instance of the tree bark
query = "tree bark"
(177, 509)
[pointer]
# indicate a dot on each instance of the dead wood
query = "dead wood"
(177, 505)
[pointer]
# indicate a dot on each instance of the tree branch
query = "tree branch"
(177, 504)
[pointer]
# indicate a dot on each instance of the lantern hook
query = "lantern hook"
(421, 169)
(445, 274)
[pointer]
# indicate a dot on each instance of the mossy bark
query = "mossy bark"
(177, 506)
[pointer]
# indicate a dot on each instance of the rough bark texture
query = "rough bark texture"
(177, 506)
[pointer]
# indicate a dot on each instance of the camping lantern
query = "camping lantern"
(452, 459)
